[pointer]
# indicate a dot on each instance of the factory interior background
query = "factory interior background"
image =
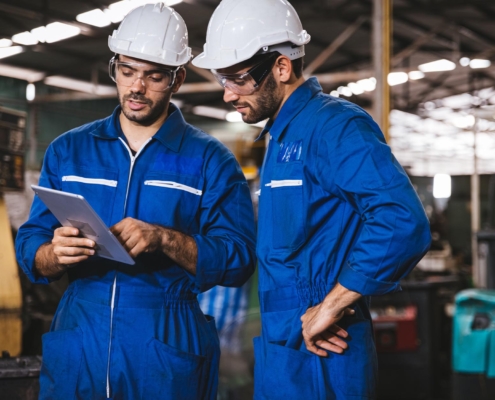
(425, 71)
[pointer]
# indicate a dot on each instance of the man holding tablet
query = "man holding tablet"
(179, 204)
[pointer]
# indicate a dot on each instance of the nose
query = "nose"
(229, 96)
(138, 86)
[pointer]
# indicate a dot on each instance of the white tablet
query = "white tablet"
(73, 210)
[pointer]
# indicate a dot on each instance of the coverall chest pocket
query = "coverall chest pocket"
(97, 186)
(288, 206)
(170, 199)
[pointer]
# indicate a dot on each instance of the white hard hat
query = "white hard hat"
(239, 29)
(153, 32)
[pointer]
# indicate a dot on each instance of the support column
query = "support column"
(479, 275)
(382, 34)
(10, 289)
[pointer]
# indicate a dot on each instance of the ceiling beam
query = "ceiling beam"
(334, 46)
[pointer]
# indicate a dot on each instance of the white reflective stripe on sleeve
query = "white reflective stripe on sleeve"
(284, 183)
(174, 185)
(91, 181)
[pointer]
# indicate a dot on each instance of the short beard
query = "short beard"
(156, 109)
(267, 103)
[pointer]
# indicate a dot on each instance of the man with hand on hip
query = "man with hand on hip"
(180, 205)
(339, 220)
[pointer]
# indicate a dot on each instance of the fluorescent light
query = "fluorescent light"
(94, 17)
(415, 75)
(117, 11)
(464, 61)
(30, 92)
(5, 42)
(367, 85)
(234, 116)
(172, 2)
(463, 121)
(57, 31)
(437, 66)
(355, 88)
(396, 78)
(346, 91)
(334, 93)
(10, 51)
(210, 112)
(39, 34)
(25, 38)
(80, 86)
(442, 186)
(478, 63)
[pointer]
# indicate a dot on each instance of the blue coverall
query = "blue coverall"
(334, 206)
(137, 332)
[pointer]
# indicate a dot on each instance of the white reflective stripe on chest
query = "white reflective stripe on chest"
(284, 183)
(91, 181)
(174, 185)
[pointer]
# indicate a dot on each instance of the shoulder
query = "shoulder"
(75, 135)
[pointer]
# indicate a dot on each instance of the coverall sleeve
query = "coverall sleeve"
(39, 228)
(226, 242)
(355, 164)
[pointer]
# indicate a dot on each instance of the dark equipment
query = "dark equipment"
(19, 377)
(413, 339)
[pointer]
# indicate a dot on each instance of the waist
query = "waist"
(128, 296)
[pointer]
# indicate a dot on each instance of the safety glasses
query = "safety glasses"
(247, 82)
(154, 79)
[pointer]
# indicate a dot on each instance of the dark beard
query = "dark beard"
(156, 109)
(267, 102)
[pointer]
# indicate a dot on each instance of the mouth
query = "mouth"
(136, 105)
(241, 109)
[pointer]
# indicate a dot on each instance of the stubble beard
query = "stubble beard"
(267, 103)
(156, 109)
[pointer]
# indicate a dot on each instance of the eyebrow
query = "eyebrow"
(146, 72)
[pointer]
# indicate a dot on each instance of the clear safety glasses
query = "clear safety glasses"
(247, 82)
(154, 79)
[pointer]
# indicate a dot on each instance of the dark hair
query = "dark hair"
(297, 64)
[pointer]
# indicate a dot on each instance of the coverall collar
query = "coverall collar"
(170, 133)
(293, 106)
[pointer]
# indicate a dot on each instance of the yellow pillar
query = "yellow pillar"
(10, 289)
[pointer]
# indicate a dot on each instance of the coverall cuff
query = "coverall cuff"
(364, 285)
(29, 255)
(209, 257)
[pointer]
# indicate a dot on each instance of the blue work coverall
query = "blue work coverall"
(334, 206)
(136, 331)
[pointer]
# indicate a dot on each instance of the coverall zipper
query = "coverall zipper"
(114, 285)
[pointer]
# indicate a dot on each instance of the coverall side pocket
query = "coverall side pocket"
(354, 372)
(172, 373)
(285, 374)
(62, 356)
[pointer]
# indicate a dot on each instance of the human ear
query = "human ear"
(283, 68)
(180, 76)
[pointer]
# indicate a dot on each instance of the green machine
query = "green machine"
(474, 345)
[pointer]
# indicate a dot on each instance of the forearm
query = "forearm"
(180, 248)
(339, 299)
(46, 263)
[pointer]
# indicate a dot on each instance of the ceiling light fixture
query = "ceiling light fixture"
(397, 78)
(94, 17)
(437, 66)
(355, 88)
(478, 63)
(10, 51)
(464, 61)
(25, 38)
(234, 116)
(415, 75)
(5, 42)
(368, 85)
(30, 92)
(57, 31)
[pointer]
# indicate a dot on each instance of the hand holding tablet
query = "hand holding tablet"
(73, 210)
